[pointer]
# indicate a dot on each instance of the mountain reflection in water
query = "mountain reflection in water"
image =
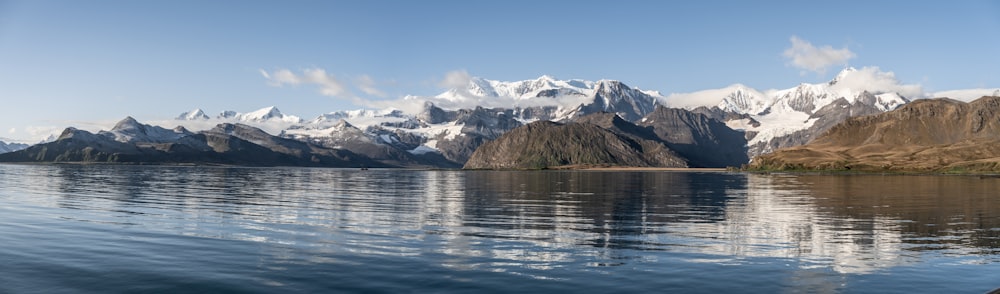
(308, 228)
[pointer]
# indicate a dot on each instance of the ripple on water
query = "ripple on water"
(218, 229)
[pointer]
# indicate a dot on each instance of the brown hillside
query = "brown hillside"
(931, 135)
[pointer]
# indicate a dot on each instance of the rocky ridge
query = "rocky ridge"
(546, 144)
(131, 142)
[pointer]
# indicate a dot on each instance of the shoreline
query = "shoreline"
(673, 169)
(982, 174)
(585, 167)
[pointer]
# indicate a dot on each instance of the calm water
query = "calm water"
(102, 229)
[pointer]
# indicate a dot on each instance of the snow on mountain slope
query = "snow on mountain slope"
(479, 88)
(361, 118)
(787, 111)
(735, 98)
(360, 113)
(265, 114)
(441, 123)
(342, 131)
(567, 98)
(129, 130)
(482, 109)
(196, 114)
(269, 119)
(773, 113)
(375, 125)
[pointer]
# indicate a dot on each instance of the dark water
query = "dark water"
(108, 229)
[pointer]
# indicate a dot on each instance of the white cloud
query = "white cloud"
(457, 79)
(328, 85)
(281, 77)
(967, 95)
(707, 98)
(872, 79)
(12, 130)
(39, 133)
(805, 56)
(367, 85)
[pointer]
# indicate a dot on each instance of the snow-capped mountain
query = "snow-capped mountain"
(196, 114)
(357, 114)
(129, 130)
(265, 114)
(11, 147)
(456, 121)
(550, 99)
(478, 88)
(742, 99)
(616, 97)
(451, 125)
(793, 116)
(804, 98)
(445, 129)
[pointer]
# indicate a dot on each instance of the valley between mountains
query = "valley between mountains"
(548, 123)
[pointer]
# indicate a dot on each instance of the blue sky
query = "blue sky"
(66, 63)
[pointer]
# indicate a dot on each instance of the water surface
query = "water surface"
(101, 229)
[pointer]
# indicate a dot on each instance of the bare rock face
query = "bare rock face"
(547, 144)
(616, 97)
(933, 135)
(704, 141)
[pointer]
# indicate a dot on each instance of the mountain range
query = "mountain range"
(11, 147)
(226, 144)
(726, 127)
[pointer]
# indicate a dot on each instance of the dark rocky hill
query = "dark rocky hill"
(704, 141)
(547, 144)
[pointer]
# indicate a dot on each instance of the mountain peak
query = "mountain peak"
(127, 123)
(609, 85)
(270, 111)
(261, 115)
(843, 74)
(69, 132)
(743, 99)
(343, 124)
(195, 114)
(547, 78)
(130, 130)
